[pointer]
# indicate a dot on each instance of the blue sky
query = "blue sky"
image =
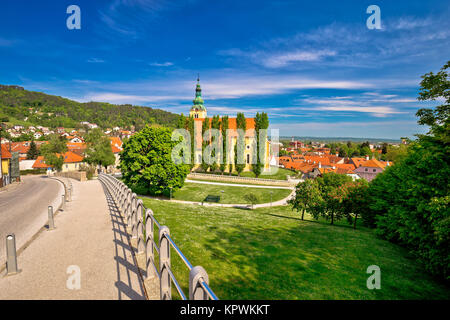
(313, 66)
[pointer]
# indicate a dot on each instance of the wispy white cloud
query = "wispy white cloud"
(350, 45)
(164, 64)
(6, 42)
(366, 129)
(408, 23)
(128, 98)
(95, 60)
(129, 19)
(284, 59)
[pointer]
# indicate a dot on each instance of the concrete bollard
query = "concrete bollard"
(63, 203)
(51, 221)
(11, 255)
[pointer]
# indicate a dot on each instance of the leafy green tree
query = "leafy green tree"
(261, 122)
(181, 124)
(330, 187)
(98, 149)
(206, 125)
(355, 201)
(251, 198)
(54, 151)
(223, 127)
(190, 124)
(32, 152)
(410, 200)
(395, 153)
(147, 165)
(308, 198)
(215, 124)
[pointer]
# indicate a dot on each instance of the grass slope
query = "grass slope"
(192, 191)
(271, 254)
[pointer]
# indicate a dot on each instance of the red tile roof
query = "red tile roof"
(69, 157)
(373, 163)
(5, 152)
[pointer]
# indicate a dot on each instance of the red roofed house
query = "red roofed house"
(116, 145)
(72, 162)
(4, 167)
(369, 169)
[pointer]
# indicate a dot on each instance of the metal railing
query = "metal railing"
(142, 228)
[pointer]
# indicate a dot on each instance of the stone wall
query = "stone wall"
(77, 175)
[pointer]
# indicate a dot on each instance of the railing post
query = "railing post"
(196, 291)
(164, 263)
(128, 207)
(140, 227)
(134, 216)
(11, 255)
(51, 221)
(149, 252)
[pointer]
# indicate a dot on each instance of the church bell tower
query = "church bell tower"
(198, 110)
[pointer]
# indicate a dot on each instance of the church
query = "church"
(199, 113)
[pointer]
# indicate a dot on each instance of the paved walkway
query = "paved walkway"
(23, 209)
(239, 185)
(89, 234)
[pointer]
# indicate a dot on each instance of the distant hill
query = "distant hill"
(340, 139)
(20, 106)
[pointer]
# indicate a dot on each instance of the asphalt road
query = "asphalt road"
(23, 208)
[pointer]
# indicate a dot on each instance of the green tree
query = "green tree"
(409, 201)
(98, 149)
(261, 122)
(215, 124)
(146, 162)
(356, 201)
(251, 198)
(54, 151)
(395, 153)
(308, 198)
(190, 125)
(32, 152)
(224, 127)
(330, 187)
(206, 125)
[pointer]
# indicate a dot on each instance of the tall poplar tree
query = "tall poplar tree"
(224, 127)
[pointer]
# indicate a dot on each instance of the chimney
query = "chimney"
(320, 165)
(367, 158)
(337, 154)
(387, 163)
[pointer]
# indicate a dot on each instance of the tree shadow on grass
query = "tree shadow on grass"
(305, 261)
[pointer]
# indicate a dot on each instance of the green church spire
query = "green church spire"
(198, 101)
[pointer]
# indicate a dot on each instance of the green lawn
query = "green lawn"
(192, 191)
(271, 254)
(281, 174)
